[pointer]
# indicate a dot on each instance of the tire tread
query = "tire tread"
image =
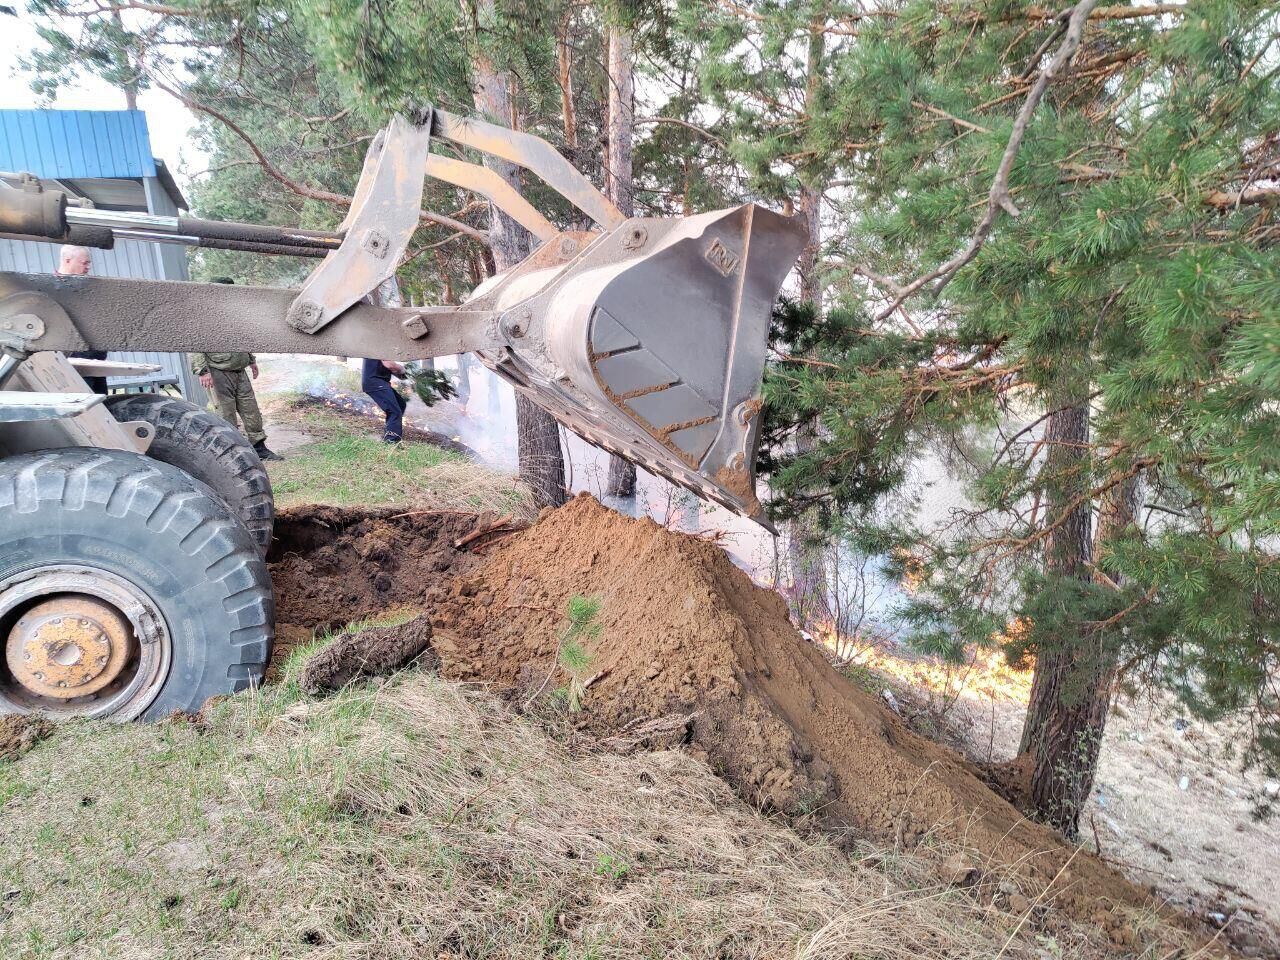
(248, 487)
(185, 508)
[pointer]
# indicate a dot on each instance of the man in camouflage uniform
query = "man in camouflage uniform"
(227, 375)
(224, 374)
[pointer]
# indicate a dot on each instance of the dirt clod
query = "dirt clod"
(373, 652)
(19, 733)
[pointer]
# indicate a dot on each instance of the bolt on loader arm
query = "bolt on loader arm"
(645, 336)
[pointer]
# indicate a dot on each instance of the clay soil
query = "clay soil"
(686, 634)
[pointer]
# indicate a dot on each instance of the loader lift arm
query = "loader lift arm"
(645, 336)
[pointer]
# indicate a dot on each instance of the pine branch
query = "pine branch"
(1226, 199)
(301, 189)
(999, 197)
(1118, 12)
(114, 8)
(682, 123)
(958, 121)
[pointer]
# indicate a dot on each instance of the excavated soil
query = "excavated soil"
(691, 649)
(685, 632)
(333, 566)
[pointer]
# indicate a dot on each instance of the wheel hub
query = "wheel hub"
(69, 646)
(80, 642)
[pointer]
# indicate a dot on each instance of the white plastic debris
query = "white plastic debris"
(1184, 783)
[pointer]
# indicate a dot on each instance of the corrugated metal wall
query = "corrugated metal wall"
(130, 258)
(100, 145)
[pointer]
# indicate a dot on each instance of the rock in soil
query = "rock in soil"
(374, 652)
(19, 733)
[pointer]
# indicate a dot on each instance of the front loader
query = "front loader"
(132, 531)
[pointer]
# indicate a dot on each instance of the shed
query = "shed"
(104, 156)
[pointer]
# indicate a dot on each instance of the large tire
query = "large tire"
(196, 582)
(210, 449)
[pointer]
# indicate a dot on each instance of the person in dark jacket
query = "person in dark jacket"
(375, 380)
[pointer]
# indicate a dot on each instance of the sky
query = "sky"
(168, 121)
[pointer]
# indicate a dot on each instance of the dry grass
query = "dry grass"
(417, 818)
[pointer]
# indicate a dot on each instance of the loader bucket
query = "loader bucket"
(651, 343)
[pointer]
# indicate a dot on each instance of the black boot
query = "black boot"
(260, 448)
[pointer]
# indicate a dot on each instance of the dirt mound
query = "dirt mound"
(684, 631)
(374, 652)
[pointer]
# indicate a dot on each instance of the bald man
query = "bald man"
(76, 261)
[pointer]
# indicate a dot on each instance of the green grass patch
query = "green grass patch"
(347, 468)
(351, 469)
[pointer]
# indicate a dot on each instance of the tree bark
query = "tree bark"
(1075, 671)
(464, 378)
(619, 186)
(538, 435)
(806, 553)
(564, 64)
(130, 84)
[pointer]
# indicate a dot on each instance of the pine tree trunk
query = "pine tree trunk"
(1070, 689)
(130, 86)
(806, 548)
(538, 434)
(620, 187)
(464, 378)
(564, 76)
(810, 590)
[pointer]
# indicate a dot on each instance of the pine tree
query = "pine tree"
(619, 179)
(1061, 276)
(768, 70)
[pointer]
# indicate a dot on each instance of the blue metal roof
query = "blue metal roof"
(74, 144)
